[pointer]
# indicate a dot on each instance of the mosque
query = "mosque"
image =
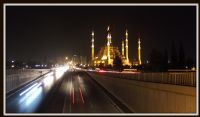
(108, 52)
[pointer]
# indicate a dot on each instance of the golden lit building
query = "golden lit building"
(92, 47)
(103, 58)
(107, 53)
(139, 52)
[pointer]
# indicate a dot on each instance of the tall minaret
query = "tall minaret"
(92, 47)
(139, 52)
(127, 60)
(122, 48)
(108, 44)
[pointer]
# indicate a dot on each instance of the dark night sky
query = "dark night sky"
(50, 31)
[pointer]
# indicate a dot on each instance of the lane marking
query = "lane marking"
(64, 105)
(70, 89)
(70, 94)
(81, 95)
(73, 96)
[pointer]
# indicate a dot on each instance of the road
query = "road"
(77, 93)
(74, 92)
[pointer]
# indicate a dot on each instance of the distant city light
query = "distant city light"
(108, 28)
(193, 69)
(37, 65)
(104, 58)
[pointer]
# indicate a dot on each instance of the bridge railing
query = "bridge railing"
(176, 78)
(17, 77)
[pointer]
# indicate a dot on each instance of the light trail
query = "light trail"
(28, 89)
(73, 96)
(29, 93)
(34, 96)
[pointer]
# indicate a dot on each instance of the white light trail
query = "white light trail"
(28, 89)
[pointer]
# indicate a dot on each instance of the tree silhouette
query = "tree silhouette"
(190, 63)
(101, 66)
(174, 61)
(117, 63)
(165, 60)
(181, 56)
(156, 60)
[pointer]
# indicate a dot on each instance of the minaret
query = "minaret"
(108, 44)
(127, 60)
(139, 52)
(122, 48)
(92, 47)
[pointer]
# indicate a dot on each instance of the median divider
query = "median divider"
(115, 99)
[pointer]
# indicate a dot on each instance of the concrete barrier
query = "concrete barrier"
(17, 77)
(148, 97)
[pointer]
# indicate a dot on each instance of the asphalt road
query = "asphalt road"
(76, 92)
(63, 92)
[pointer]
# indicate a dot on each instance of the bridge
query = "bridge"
(64, 90)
